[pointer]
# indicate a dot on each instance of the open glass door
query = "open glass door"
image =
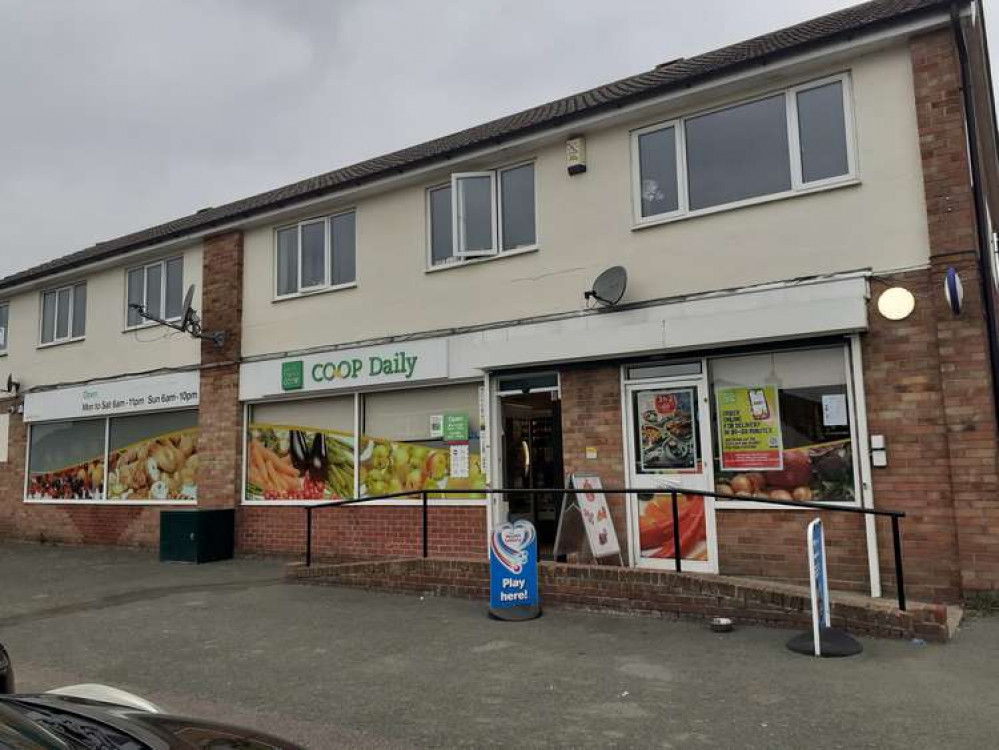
(669, 447)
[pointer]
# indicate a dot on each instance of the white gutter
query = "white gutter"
(852, 46)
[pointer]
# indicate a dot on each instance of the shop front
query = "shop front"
(366, 423)
(131, 441)
(734, 408)
(775, 422)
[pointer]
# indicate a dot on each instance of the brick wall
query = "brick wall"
(965, 376)
(364, 532)
(220, 415)
(648, 592)
(65, 523)
(591, 417)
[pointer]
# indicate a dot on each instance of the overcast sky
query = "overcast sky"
(119, 114)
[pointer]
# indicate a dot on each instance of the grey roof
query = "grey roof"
(661, 79)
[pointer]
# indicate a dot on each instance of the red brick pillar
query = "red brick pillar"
(220, 415)
(969, 413)
(591, 417)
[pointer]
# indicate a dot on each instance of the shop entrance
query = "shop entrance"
(532, 457)
(669, 447)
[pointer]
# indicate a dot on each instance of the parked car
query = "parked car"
(99, 717)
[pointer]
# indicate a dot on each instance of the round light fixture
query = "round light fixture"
(896, 303)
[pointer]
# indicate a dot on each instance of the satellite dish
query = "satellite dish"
(188, 310)
(12, 385)
(609, 286)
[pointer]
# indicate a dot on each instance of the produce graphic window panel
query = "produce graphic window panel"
(153, 456)
(400, 449)
(655, 527)
(818, 460)
(301, 450)
(66, 460)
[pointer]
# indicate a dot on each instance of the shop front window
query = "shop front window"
(422, 439)
(301, 450)
(412, 440)
(66, 461)
(149, 458)
(153, 457)
(784, 426)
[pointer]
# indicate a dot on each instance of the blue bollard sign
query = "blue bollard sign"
(513, 572)
(819, 582)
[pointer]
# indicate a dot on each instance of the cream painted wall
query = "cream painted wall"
(107, 349)
(585, 225)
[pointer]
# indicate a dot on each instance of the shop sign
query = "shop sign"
(749, 428)
(349, 368)
(292, 376)
(594, 513)
(513, 571)
(455, 428)
(178, 390)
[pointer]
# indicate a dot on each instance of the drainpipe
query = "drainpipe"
(984, 241)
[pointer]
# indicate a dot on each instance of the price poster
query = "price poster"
(749, 428)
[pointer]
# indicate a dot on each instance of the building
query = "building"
(418, 322)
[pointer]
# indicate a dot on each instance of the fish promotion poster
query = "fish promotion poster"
(513, 572)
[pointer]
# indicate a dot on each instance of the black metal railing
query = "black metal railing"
(423, 495)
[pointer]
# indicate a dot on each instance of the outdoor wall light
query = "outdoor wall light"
(896, 303)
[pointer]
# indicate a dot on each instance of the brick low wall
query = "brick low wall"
(362, 532)
(624, 590)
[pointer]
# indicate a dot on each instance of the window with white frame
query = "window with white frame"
(482, 214)
(158, 288)
(316, 254)
(64, 314)
(4, 325)
(780, 144)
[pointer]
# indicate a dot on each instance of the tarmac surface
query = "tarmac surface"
(334, 668)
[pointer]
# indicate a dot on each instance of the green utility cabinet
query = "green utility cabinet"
(197, 536)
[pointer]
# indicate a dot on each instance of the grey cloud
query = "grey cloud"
(118, 114)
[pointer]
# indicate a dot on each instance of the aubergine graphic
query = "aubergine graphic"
(318, 459)
(299, 452)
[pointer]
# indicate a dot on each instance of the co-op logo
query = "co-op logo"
(351, 368)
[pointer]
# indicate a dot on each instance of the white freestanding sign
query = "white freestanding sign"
(594, 513)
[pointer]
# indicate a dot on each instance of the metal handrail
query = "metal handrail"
(892, 515)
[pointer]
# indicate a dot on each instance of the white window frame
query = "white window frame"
(56, 341)
(143, 322)
(457, 236)
(6, 334)
(326, 285)
(496, 176)
(798, 186)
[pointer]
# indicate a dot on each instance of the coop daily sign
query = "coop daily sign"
(177, 390)
(345, 369)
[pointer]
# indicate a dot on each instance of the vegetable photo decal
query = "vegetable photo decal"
(297, 463)
(655, 527)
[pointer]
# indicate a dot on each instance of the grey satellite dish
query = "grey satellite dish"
(12, 385)
(609, 286)
(188, 310)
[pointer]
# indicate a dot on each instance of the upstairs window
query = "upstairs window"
(159, 288)
(64, 314)
(316, 254)
(780, 144)
(482, 214)
(4, 326)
